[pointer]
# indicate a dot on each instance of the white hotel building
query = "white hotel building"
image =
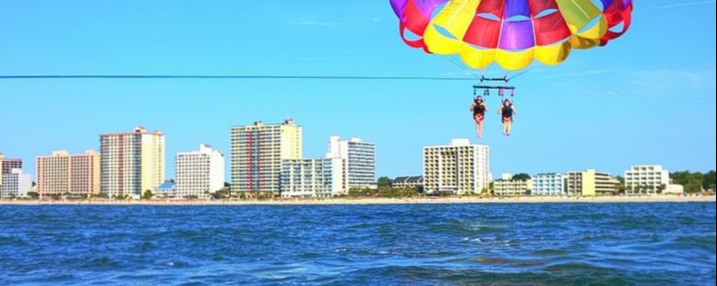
(317, 178)
(457, 168)
(647, 179)
(199, 173)
(15, 184)
(360, 157)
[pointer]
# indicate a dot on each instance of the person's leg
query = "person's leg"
(503, 126)
(508, 126)
(480, 129)
(479, 125)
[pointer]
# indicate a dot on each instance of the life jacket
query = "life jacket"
(507, 111)
(479, 108)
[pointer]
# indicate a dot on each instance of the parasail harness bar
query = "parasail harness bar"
(500, 88)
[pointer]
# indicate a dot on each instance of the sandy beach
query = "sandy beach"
(385, 201)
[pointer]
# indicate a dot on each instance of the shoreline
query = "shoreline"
(381, 201)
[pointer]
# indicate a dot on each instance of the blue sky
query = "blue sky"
(646, 98)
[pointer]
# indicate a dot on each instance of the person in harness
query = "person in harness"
(507, 111)
(479, 108)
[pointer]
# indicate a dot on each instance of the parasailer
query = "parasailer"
(479, 108)
(506, 112)
(510, 33)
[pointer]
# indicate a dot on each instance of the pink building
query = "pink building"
(62, 173)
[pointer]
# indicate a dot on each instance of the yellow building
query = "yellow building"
(507, 187)
(457, 168)
(258, 151)
(62, 173)
(591, 183)
(131, 163)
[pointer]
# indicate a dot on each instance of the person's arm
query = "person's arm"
(514, 111)
(473, 106)
(485, 107)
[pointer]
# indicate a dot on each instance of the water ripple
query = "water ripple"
(578, 244)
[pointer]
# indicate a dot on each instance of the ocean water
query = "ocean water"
(512, 244)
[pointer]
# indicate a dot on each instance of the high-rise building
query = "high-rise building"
(199, 173)
(591, 183)
(7, 165)
(65, 174)
(360, 157)
(258, 151)
(457, 168)
(131, 163)
(15, 184)
(2, 158)
(549, 184)
(320, 178)
(646, 179)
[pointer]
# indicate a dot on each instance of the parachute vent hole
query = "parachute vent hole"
(518, 18)
(546, 13)
(619, 28)
(438, 10)
(410, 35)
(591, 24)
(599, 4)
(445, 32)
(488, 16)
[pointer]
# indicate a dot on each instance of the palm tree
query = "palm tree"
(484, 192)
(147, 195)
(639, 189)
(651, 189)
(661, 188)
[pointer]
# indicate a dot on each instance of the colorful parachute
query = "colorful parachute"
(511, 32)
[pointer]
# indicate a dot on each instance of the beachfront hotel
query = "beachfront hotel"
(507, 187)
(166, 190)
(15, 184)
(408, 182)
(2, 158)
(257, 154)
(360, 157)
(317, 178)
(646, 179)
(199, 173)
(549, 184)
(459, 167)
(10, 164)
(62, 173)
(591, 183)
(7, 165)
(131, 163)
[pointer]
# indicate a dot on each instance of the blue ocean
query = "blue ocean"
(511, 244)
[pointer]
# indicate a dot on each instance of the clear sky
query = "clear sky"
(649, 97)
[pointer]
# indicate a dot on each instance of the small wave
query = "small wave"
(12, 241)
(418, 275)
(101, 263)
(551, 252)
